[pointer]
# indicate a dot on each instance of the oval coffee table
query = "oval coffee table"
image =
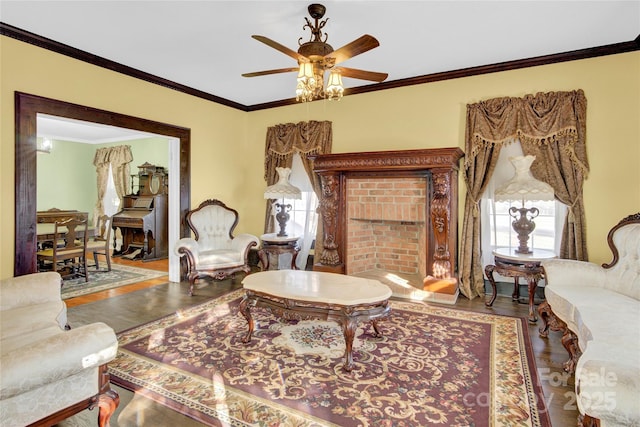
(297, 294)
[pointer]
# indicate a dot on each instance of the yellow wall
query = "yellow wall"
(228, 145)
(217, 132)
(433, 115)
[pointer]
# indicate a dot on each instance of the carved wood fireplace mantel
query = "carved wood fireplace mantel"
(438, 166)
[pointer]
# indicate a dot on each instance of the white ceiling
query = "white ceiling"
(207, 45)
(60, 128)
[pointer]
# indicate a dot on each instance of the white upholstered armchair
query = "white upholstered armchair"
(48, 373)
(214, 251)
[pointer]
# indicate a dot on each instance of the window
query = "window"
(111, 201)
(303, 217)
(496, 221)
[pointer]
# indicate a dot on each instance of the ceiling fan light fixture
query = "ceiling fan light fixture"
(306, 83)
(335, 89)
(302, 93)
(306, 71)
(316, 56)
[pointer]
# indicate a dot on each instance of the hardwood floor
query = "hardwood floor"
(160, 265)
(142, 302)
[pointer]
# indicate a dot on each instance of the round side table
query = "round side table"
(509, 263)
(274, 246)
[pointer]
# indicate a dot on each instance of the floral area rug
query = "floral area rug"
(432, 366)
(119, 275)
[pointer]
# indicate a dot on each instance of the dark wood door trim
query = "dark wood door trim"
(27, 108)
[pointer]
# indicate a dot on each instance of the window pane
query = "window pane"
(111, 201)
(298, 213)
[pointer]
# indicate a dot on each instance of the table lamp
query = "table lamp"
(523, 186)
(283, 189)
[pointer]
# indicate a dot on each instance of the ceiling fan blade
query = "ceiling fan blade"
(354, 48)
(277, 46)
(362, 74)
(266, 72)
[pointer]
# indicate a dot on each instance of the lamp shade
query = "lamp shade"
(283, 188)
(523, 186)
(335, 90)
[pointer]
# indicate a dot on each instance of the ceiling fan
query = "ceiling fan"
(316, 56)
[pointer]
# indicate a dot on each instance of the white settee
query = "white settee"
(598, 310)
(47, 372)
(214, 251)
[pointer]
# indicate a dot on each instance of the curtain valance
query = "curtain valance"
(284, 140)
(541, 119)
(115, 155)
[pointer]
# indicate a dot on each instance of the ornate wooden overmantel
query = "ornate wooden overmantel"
(440, 168)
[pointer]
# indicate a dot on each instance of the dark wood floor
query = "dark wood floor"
(136, 304)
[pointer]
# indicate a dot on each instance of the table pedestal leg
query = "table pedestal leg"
(246, 312)
(516, 289)
(488, 270)
(533, 285)
(349, 326)
(376, 331)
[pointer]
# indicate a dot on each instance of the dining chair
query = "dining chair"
(99, 244)
(73, 254)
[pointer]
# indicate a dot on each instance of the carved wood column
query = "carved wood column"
(442, 207)
(330, 211)
(441, 164)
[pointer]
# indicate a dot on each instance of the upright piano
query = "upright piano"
(143, 221)
(143, 224)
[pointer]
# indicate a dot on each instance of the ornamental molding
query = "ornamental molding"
(394, 160)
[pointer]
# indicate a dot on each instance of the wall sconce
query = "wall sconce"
(44, 145)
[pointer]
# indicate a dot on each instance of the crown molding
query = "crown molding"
(63, 49)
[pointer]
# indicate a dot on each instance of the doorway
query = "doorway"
(27, 109)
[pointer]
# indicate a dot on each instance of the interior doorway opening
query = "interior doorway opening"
(27, 109)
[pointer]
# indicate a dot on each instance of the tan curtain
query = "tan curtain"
(282, 142)
(550, 126)
(101, 162)
(119, 158)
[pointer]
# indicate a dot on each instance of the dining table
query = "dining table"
(46, 231)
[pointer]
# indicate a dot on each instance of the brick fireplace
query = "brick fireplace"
(389, 210)
(386, 225)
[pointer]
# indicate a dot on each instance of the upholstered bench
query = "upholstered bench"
(598, 310)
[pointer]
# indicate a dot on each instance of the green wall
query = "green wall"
(67, 176)
(62, 177)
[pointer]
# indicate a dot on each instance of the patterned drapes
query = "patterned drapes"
(283, 141)
(119, 157)
(550, 126)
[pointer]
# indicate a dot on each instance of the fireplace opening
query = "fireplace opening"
(386, 229)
